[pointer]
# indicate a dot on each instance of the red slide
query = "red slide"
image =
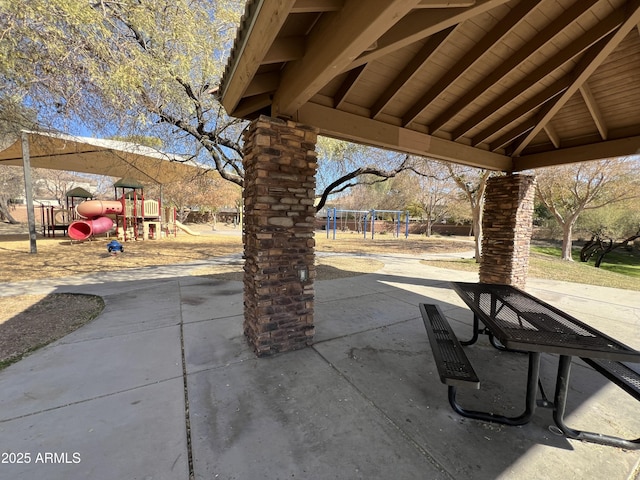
(96, 222)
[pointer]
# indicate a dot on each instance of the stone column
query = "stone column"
(507, 225)
(279, 192)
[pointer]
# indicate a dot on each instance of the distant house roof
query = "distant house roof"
(79, 192)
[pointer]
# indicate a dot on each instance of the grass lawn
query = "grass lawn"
(621, 269)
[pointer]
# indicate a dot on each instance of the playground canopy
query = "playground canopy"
(58, 151)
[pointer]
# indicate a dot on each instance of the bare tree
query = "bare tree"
(472, 182)
(148, 67)
(568, 190)
(435, 192)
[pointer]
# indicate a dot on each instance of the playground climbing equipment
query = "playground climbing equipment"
(364, 221)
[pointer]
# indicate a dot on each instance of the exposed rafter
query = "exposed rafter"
(416, 63)
(594, 110)
(513, 62)
(422, 24)
(470, 58)
(585, 68)
(574, 49)
(413, 75)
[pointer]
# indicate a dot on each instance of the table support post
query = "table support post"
(560, 401)
(530, 402)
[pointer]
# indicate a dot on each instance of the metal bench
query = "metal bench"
(619, 373)
(454, 367)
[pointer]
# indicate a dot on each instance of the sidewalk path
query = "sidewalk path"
(162, 385)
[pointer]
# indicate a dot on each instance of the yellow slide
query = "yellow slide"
(186, 229)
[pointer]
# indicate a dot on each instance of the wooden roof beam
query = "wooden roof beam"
(608, 149)
(335, 41)
(470, 58)
(594, 110)
(250, 51)
(445, 3)
(263, 83)
(317, 6)
(348, 85)
(586, 67)
(408, 72)
(574, 49)
(541, 39)
(522, 110)
(351, 127)
(552, 134)
(421, 24)
(284, 49)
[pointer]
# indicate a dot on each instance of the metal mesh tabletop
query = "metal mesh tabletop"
(521, 321)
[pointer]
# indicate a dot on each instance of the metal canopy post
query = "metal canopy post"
(28, 188)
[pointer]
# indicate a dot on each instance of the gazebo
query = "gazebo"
(502, 85)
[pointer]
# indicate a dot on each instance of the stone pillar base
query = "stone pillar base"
(507, 226)
(279, 193)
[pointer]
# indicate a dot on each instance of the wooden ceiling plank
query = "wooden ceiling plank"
(268, 21)
(347, 85)
(416, 63)
(594, 110)
(355, 128)
(586, 67)
(529, 48)
(574, 49)
(609, 149)
(470, 58)
(317, 6)
(284, 49)
(335, 41)
(421, 24)
(528, 106)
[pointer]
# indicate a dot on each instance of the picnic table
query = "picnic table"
(518, 321)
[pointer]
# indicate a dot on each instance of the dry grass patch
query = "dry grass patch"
(28, 322)
(59, 257)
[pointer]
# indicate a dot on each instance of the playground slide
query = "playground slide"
(83, 229)
(97, 208)
(186, 229)
(96, 223)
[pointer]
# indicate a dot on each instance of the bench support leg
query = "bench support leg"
(530, 401)
(562, 389)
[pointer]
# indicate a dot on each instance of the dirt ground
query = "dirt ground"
(26, 320)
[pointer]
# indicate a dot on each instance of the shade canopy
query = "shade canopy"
(497, 84)
(113, 158)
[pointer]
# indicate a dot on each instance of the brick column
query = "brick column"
(507, 225)
(279, 192)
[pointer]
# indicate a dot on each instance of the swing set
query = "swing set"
(364, 220)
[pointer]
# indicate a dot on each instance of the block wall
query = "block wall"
(279, 192)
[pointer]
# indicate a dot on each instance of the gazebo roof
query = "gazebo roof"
(497, 84)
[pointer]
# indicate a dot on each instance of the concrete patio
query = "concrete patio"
(108, 401)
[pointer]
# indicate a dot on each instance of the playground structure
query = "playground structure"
(364, 220)
(55, 219)
(133, 216)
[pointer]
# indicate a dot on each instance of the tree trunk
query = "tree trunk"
(5, 215)
(477, 229)
(567, 232)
